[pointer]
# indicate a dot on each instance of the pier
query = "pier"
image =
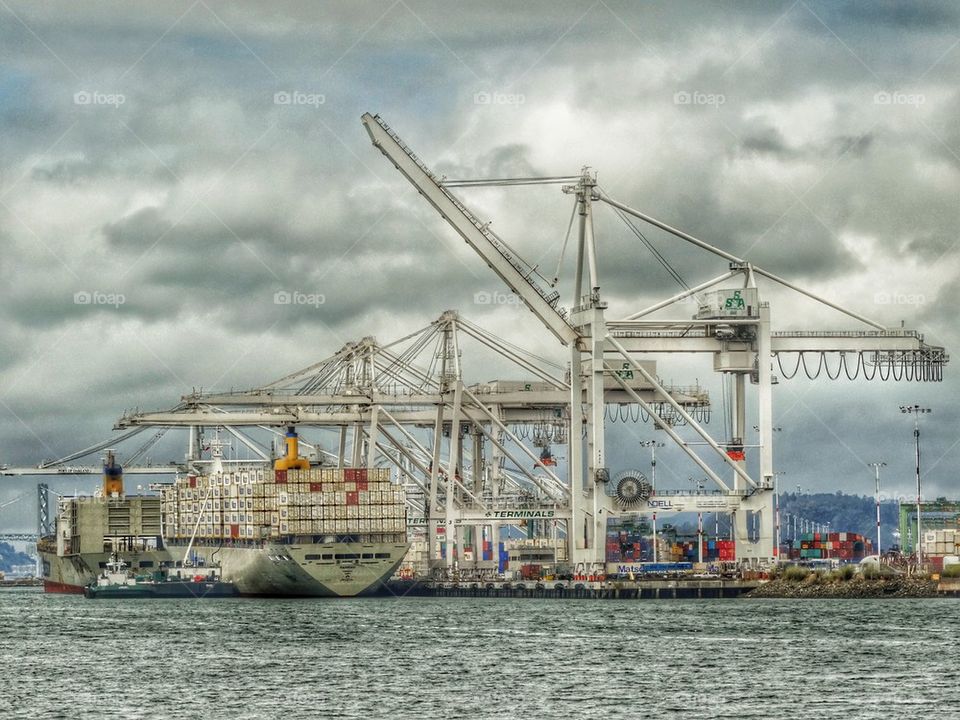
(638, 590)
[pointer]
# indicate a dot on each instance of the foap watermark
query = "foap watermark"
(897, 97)
(696, 97)
(498, 98)
(496, 298)
(298, 97)
(96, 297)
(295, 297)
(895, 298)
(95, 97)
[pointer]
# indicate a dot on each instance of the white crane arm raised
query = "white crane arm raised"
(511, 269)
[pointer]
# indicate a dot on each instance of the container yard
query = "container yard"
(846, 547)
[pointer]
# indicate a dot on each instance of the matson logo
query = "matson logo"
(520, 514)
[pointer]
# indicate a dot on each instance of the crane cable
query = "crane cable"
(566, 239)
(656, 253)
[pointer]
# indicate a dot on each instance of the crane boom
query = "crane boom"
(511, 269)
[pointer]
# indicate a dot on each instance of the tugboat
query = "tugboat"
(117, 582)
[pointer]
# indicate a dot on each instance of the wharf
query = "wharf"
(21, 582)
(611, 590)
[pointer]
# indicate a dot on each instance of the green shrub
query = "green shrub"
(951, 571)
(845, 573)
(794, 573)
(873, 571)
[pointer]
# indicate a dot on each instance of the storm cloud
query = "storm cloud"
(195, 159)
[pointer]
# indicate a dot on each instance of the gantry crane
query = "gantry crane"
(474, 472)
(732, 324)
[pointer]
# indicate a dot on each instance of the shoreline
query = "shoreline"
(855, 588)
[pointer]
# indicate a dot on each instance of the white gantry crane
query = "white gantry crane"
(462, 449)
(732, 324)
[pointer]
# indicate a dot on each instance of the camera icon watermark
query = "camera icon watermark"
(95, 97)
(296, 297)
(96, 297)
(895, 298)
(696, 97)
(297, 97)
(498, 98)
(897, 97)
(496, 298)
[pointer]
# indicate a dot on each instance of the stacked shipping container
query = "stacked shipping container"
(259, 504)
(721, 550)
(840, 546)
(628, 545)
(938, 543)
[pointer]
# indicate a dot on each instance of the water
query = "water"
(66, 657)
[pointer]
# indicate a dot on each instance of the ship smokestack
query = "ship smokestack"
(112, 477)
(292, 460)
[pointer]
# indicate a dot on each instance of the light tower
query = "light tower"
(776, 498)
(876, 467)
(653, 445)
(917, 411)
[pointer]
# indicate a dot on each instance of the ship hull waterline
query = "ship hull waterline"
(268, 570)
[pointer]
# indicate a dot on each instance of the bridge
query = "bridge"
(19, 537)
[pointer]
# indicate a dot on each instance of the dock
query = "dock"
(637, 590)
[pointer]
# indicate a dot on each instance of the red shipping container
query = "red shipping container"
(234, 531)
(193, 481)
(315, 487)
(361, 474)
(350, 475)
(362, 484)
(353, 498)
(280, 477)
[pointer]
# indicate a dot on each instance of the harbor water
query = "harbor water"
(66, 657)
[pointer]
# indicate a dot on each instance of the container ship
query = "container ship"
(287, 530)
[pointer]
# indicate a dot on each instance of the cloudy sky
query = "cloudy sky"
(166, 169)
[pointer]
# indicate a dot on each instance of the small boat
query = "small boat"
(186, 582)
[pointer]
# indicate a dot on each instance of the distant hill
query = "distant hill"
(9, 556)
(845, 513)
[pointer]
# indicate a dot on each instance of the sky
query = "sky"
(167, 169)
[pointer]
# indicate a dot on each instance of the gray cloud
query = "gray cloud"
(198, 197)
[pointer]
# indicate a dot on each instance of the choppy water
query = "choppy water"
(66, 657)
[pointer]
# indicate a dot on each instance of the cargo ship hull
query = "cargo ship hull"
(305, 569)
(271, 570)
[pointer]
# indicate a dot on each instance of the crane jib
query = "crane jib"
(507, 264)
